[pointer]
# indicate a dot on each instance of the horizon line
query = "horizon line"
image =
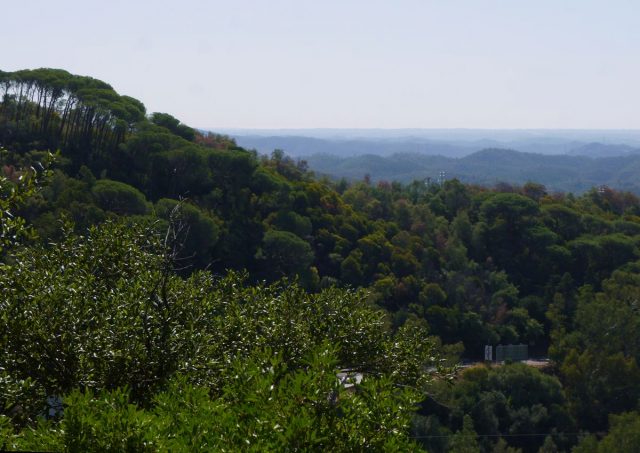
(419, 129)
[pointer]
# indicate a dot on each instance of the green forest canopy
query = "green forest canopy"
(144, 268)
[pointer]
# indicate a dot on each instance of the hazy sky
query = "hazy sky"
(342, 63)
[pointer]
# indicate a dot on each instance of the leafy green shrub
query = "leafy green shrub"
(201, 230)
(262, 405)
(106, 310)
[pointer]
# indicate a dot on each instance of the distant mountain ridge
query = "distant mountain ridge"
(597, 149)
(567, 161)
(566, 173)
(299, 145)
(449, 143)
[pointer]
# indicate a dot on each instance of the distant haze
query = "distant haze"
(562, 160)
(614, 135)
(445, 142)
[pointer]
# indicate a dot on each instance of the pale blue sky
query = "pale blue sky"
(352, 64)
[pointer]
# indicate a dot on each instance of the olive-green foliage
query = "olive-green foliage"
(294, 223)
(201, 230)
(54, 108)
(623, 436)
(174, 125)
(599, 358)
(119, 197)
(106, 311)
(465, 440)
(514, 399)
(86, 312)
(20, 399)
(262, 405)
(15, 188)
(479, 266)
(286, 253)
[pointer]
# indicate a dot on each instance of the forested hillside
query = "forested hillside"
(176, 291)
(577, 173)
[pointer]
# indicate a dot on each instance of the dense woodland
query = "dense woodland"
(165, 289)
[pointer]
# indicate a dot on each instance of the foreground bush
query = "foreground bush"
(206, 361)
